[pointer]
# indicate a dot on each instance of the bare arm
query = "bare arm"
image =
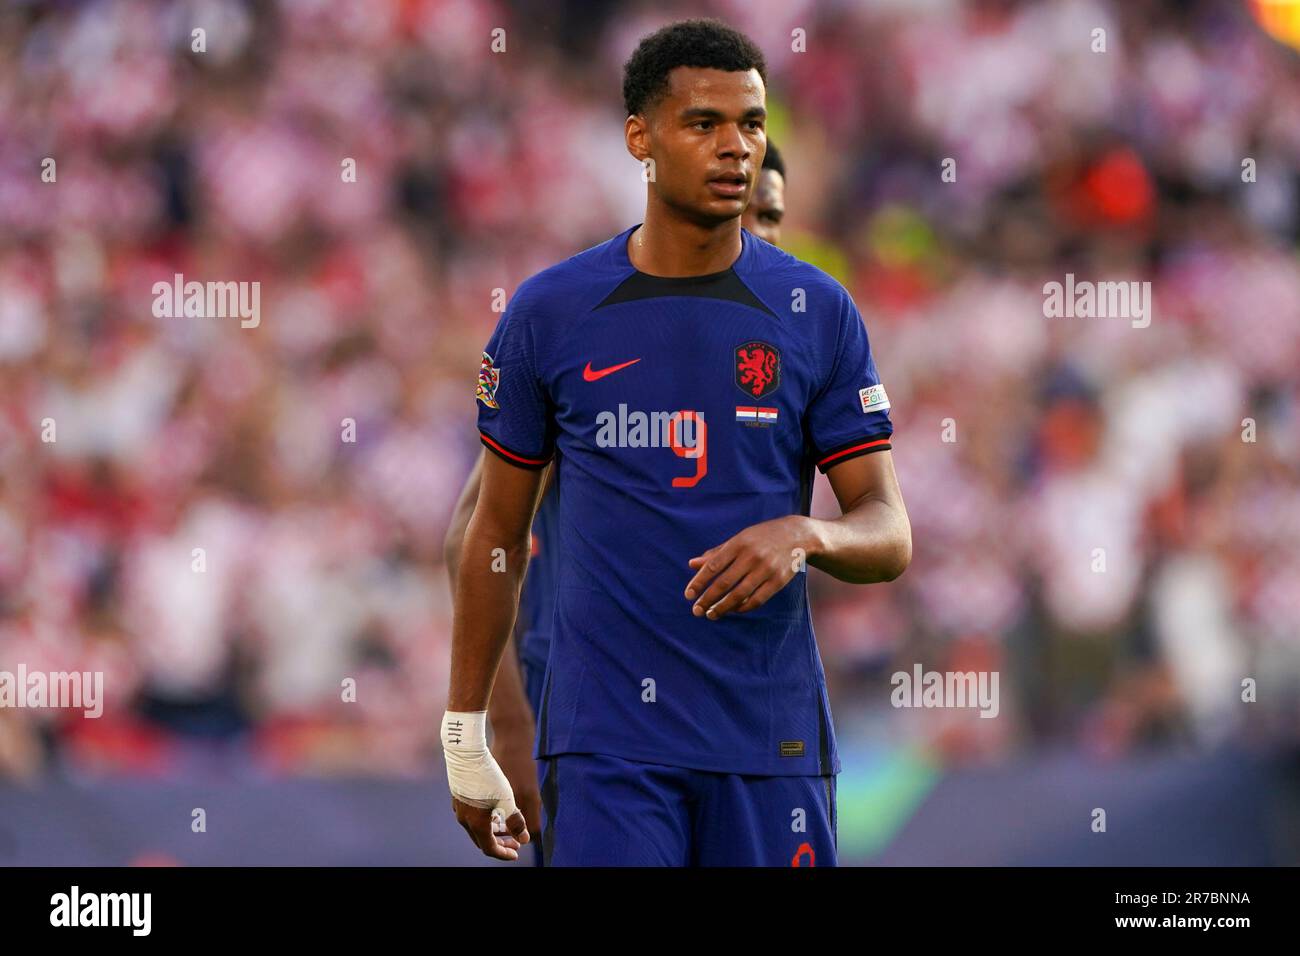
(454, 544)
(487, 599)
(871, 540)
(509, 713)
(508, 708)
(489, 576)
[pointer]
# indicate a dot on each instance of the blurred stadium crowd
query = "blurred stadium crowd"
(1023, 443)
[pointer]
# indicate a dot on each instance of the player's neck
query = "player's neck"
(665, 245)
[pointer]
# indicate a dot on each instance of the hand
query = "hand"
(513, 747)
(497, 839)
(480, 792)
(743, 572)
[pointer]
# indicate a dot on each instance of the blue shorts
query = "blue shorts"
(600, 810)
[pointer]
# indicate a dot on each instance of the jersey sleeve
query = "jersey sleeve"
(514, 416)
(849, 416)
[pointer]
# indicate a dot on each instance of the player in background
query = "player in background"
(516, 697)
(766, 208)
(686, 379)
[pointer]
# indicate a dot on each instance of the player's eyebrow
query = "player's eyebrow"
(706, 112)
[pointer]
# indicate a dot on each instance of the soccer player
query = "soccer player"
(516, 696)
(685, 378)
(766, 209)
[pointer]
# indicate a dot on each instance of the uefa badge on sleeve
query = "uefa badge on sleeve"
(489, 377)
(873, 399)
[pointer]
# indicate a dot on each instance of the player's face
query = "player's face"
(707, 138)
(765, 211)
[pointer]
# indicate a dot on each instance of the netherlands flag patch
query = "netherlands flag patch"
(755, 415)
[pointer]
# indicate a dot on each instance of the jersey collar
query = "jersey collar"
(623, 261)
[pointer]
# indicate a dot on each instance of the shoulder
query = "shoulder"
(787, 283)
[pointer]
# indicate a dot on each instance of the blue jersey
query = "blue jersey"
(680, 411)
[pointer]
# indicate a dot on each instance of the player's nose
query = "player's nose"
(730, 143)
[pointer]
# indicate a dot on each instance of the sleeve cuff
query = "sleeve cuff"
(853, 449)
(520, 461)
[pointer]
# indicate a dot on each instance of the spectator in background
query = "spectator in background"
(1026, 443)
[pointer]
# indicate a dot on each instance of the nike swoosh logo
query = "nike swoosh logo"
(591, 375)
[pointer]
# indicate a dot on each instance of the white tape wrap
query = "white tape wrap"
(472, 771)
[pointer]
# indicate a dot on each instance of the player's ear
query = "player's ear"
(636, 134)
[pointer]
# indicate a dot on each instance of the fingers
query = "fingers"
(738, 594)
(477, 822)
(737, 584)
(505, 839)
(706, 567)
(762, 595)
(706, 587)
(709, 603)
(518, 827)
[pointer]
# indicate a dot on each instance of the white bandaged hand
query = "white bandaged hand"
(472, 772)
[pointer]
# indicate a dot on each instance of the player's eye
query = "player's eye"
(703, 124)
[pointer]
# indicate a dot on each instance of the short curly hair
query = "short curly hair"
(704, 43)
